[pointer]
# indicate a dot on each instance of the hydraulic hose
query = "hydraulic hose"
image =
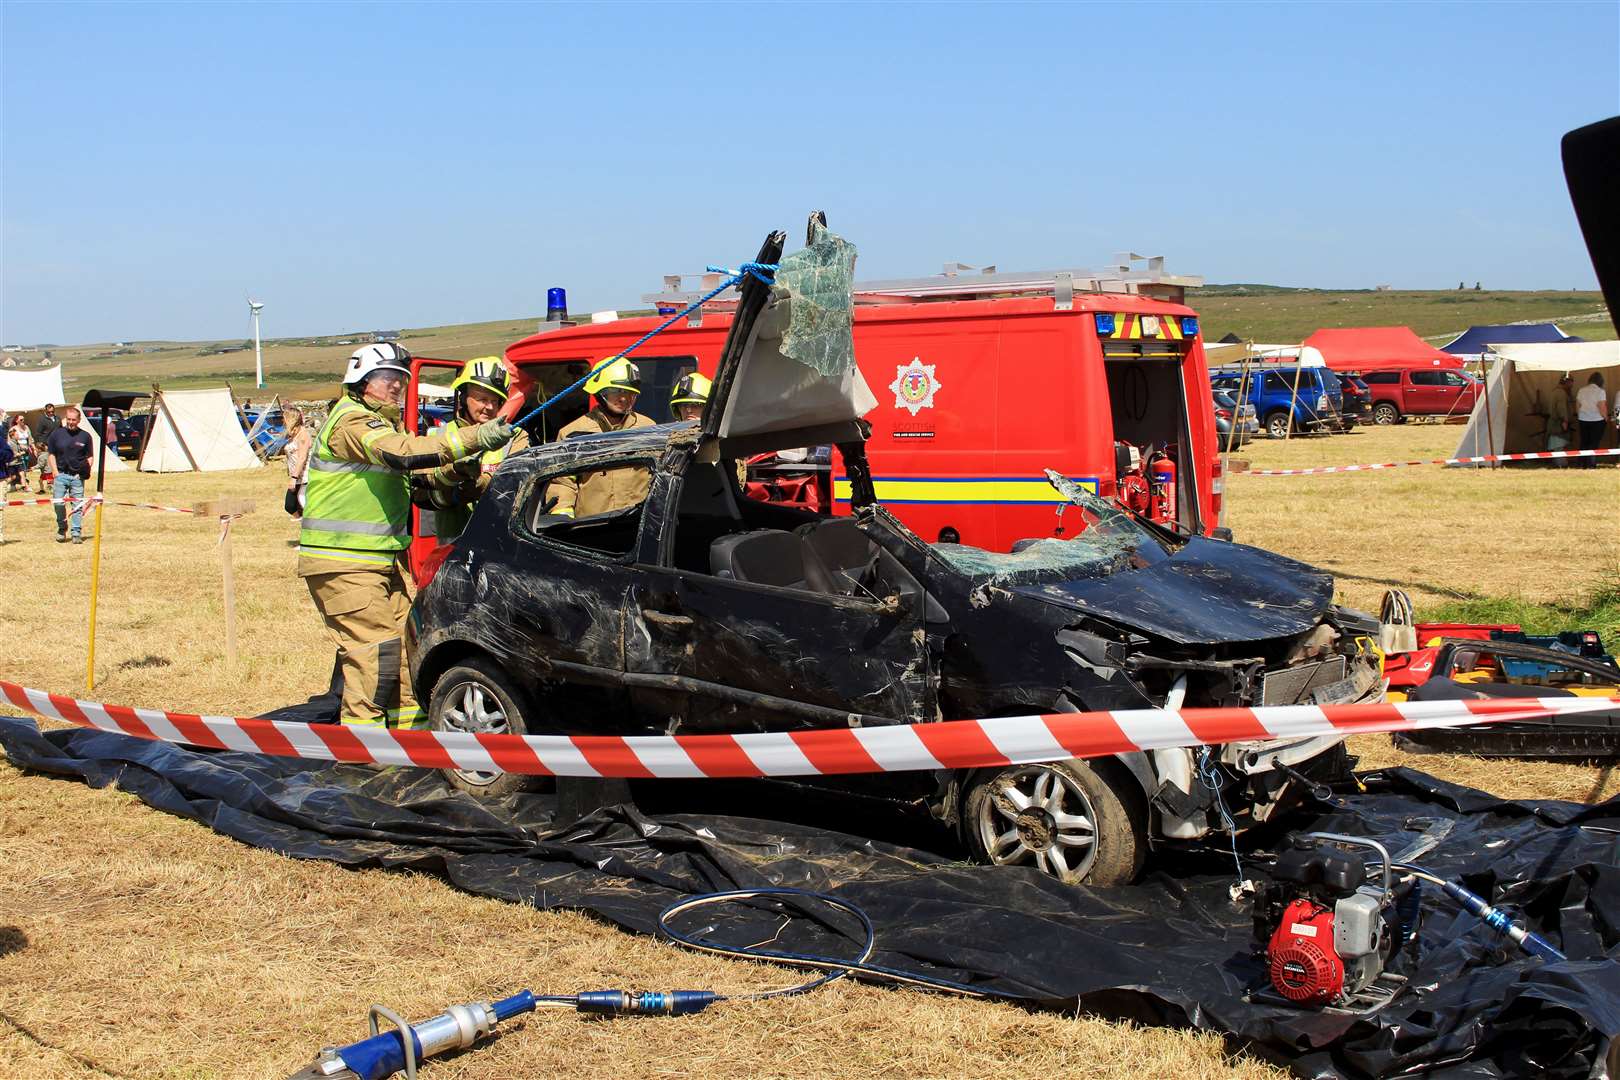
(833, 967)
(1494, 917)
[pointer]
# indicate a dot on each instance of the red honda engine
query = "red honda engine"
(1327, 932)
(1303, 965)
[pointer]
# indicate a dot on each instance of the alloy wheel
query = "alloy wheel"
(1041, 816)
(474, 708)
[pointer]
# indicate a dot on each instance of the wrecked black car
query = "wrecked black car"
(700, 610)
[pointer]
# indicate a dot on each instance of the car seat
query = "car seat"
(763, 557)
(839, 558)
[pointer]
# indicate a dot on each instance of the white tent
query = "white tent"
(1305, 355)
(1511, 416)
(29, 390)
(24, 390)
(433, 390)
(196, 430)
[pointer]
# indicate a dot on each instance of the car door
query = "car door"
(1428, 392)
(575, 576)
(741, 648)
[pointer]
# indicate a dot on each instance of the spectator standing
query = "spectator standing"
(21, 442)
(1592, 412)
(68, 452)
(1558, 417)
(6, 456)
(46, 424)
(299, 439)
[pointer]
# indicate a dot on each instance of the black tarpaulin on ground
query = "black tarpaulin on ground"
(1173, 949)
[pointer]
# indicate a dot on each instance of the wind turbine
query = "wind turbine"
(254, 307)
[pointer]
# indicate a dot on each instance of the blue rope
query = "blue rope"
(734, 277)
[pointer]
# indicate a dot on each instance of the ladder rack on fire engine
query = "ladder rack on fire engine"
(978, 283)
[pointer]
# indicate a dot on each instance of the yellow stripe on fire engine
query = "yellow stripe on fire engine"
(899, 492)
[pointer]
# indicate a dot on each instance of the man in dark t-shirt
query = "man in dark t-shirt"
(70, 448)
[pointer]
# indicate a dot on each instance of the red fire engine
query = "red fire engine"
(983, 380)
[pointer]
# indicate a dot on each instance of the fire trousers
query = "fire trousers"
(365, 615)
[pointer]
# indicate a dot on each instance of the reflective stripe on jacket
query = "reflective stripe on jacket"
(353, 505)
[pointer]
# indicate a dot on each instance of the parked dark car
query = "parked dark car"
(132, 433)
(1355, 405)
(701, 610)
(1229, 414)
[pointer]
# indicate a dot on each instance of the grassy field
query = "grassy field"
(306, 369)
(134, 944)
(1285, 316)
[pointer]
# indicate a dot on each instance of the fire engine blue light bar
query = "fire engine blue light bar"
(1105, 323)
(1189, 326)
(556, 304)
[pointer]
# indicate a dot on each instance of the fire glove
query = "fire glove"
(290, 503)
(492, 435)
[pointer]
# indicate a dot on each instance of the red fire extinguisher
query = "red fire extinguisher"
(1163, 470)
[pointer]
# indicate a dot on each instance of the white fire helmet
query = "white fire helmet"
(383, 356)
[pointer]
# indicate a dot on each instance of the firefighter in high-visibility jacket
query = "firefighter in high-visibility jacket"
(356, 529)
(450, 491)
(615, 386)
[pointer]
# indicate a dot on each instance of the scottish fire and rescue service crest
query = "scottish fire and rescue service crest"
(914, 386)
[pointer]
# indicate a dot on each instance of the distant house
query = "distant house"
(1383, 288)
(385, 335)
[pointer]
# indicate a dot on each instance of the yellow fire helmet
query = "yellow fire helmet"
(486, 373)
(620, 374)
(690, 389)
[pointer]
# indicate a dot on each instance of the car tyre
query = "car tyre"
(477, 696)
(1385, 414)
(1277, 425)
(1079, 821)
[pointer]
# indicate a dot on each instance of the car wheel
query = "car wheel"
(1277, 425)
(1385, 413)
(476, 696)
(1065, 818)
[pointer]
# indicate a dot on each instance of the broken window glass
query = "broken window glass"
(819, 278)
(1111, 541)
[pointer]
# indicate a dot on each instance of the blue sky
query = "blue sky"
(380, 165)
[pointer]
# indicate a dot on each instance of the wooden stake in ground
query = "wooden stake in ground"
(227, 511)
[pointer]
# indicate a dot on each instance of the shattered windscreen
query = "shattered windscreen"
(1111, 541)
(820, 277)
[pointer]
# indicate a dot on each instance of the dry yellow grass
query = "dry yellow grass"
(1441, 534)
(136, 944)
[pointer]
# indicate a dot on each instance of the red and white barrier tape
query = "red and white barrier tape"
(92, 500)
(954, 744)
(1531, 456)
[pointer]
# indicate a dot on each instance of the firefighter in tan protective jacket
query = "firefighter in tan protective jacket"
(616, 386)
(450, 492)
(356, 529)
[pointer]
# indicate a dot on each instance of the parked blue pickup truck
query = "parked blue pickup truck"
(1311, 394)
